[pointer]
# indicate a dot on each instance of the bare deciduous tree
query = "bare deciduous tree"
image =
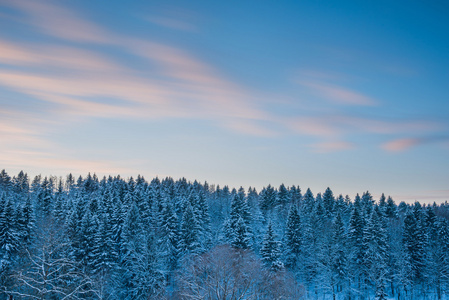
(227, 273)
(49, 273)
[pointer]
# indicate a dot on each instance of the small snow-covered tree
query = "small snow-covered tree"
(189, 239)
(293, 239)
(270, 250)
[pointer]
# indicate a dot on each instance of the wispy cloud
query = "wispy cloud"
(57, 21)
(79, 79)
(402, 144)
(319, 126)
(338, 94)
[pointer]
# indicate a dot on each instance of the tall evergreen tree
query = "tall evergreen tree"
(9, 235)
(376, 251)
(293, 239)
(270, 250)
(329, 201)
(283, 196)
(391, 209)
(339, 254)
(189, 232)
(414, 245)
(241, 235)
(169, 244)
(355, 241)
(267, 198)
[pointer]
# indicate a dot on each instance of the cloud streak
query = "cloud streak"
(59, 22)
(80, 80)
(403, 144)
(338, 94)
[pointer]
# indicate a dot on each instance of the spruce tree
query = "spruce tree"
(339, 253)
(391, 209)
(328, 201)
(239, 210)
(308, 202)
(270, 250)
(9, 235)
(293, 239)
(169, 243)
(27, 222)
(356, 245)
(241, 235)
(267, 198)
(376, 250)
(283, 196)
(189, 232)
(414, 245)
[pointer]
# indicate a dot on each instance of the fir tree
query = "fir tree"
(26, 222)
(309, 202)
(328, 201)
(5, 181)
(189, 232)
(339, 256)
(241, 235)
(21, 183)
(169, 239)
(267, 198)
(391, 209)
(239, 210)
(270, 251)
(283, 196)
(414, 245)
(355, 240)
(9, 235)
(45, 197)
(376, 250)
(293, 239)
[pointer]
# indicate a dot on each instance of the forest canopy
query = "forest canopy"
(117, 238)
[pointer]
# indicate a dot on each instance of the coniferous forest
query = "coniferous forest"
(117, 238)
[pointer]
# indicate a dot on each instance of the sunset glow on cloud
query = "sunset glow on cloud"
(238, 96)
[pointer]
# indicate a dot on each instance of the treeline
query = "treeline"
(119, 238)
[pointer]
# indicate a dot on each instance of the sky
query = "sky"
(351, 95)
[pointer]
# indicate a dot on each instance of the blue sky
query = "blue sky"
(345, 94)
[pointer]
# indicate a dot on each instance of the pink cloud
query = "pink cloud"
(60, 22)
(187, 80)
(338, 94)
(175, 84)
(403, 144)
(63, 57)
(400, 144)
(12, 54)
(187, 89)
